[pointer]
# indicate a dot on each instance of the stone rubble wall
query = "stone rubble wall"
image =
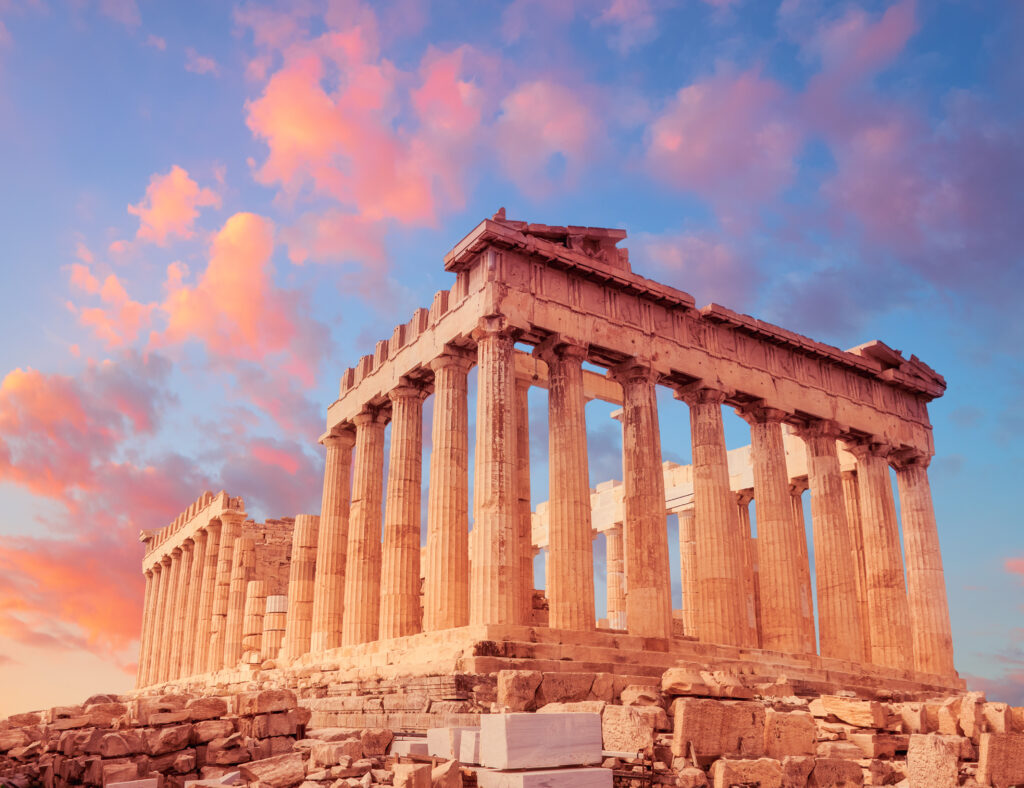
(690, 729)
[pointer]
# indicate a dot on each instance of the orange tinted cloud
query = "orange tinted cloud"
(120, 322)
(170, 207)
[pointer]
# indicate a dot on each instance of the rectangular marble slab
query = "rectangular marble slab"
(592, 777)
(409, 747)
(445, 742)
(469, 748)
(539, 741)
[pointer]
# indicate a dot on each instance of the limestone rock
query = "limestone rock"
(862, 713)
(1001, 759)
(835, 773)
(949, 717)
(603, 688)
(332, 753)
(683, 681)
(716, 728)
(208, 730)
(795, 770)
(624, 729)
(517, 689)
(972, 719)
(375, 741)
(119, 773)
(932, 761)
(161, 740)
(116, 744)
(446, 775)
(640, 695)
(789, 733)
(228, 750)
(590, 706)
(13, 738)
(266, 701)
(412, 775)
(564, 687)
(206, 708)
(997, 717)
(763, 773)
(280, 771)
(691, 777)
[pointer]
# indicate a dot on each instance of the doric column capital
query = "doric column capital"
(166, 560)
(408, 390)
(862, 449)
(901, 459)
(340, 437)
(454, 357)
(148, 572)
(849, 475)
(820, 428)
(232, 516)
(758, 413)
(744, 497)
(493, 325)
(634, 370)
(798, 486)
(369, 416)
(700, 393)
(557, 346)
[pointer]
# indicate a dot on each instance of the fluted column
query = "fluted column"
(173, 568)
(839, 631)
(158, 637)
(743, 499)
(243, 563)
(400, 564)
(362, 574)
(616, 578)
(645, 529)
(926, 582)
(144, 631)
(797, 488)
(723, 616)
(191, 612)
(332, 546)
(204, 618)
(688, 570)
(891, 642)
(180, 604)
(524, 511)
(252, 626)
(851, 497)
(571, 544)
(275, 622)
(778, 537)
(446, 580)
(301, 574)
(496, 572)
(231, 527)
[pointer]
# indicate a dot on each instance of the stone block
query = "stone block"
(412, 775)
(13, 738)
(913, 718)
(862, 713)
(413, 747)
(278, 724)
(1017, 718)
(227, 751)
(972, 719)
(517, 689)
(207, 708)
(546, 778)
(445, 742)
(789, 733)
(1001, 759)
(716, 728)
(161, 740)
(148, 782)
(641, 695)
(879, 745)
(539, 741)
(835, 773)
(795, 770)
(116, 744)
(375, 741)
(723, 684)
(332, 753)
(208, 730)
(266, 701)
(625, 729)
(683, 681)
(845, 750)
(169, 717)
(446, 775)
(604, 687)
(949, 717)
(469, 747)
(997, 717)
(762, 772)
(564, 687)
(932, 761)
(118, 773)
(691, 777)
(592, 706)
(280, 771)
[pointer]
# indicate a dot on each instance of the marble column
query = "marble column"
(645, 527)
(157, 637)
(851, 499)
(446, 579)
(184, 573)
(723, 616)
(688, 570)
(891, 641)
(570, 588)
(524, 511)
(231, 528)
(301, 574)
(400, 563)
(743, 499)
(839, 630)
(204, 620)
(145, 635)
(496, 571)
(797, 487)
(926, 582)
(362, 573)
(195, 590)
(243, 564)
(778, 535)
(252, 626)
(332, 547)
(274, 625)
(172, 565)
(616, 578)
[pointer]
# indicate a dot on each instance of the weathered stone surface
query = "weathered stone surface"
(564, 687)
(932, 761)
(862, 713)
(13, 738)
(795, 770)
(846, 750)
(280, 771)
(835, 773)
(208, 730)
(517, 689)
(625, 729)
(691, 777)
(641, 695)
(375, 741)
(717, 728)
(445, 742)
(119, 773)
(949, 717)
(266, 701)
(913, 718)
(762, 773)
(333, 753)
(207, 708)
(446, 775)
(998, 718)
(1001, 759)
(789, 733)
(591, 706)
(972, 719)
(114, 745)
(879, 745)
(412, 775)
(683, 681)
(161, 740)
(228, 750)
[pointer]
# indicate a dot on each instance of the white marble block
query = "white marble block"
(445, 742)
(539, 741)
(593, 777)
(409, 747)
(469, 748)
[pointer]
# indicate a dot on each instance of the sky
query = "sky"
(210, 210)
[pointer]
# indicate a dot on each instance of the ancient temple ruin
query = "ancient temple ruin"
(352, 591)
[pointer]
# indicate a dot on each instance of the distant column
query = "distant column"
(891, 641)
(851, 498)
(400, 563)
(231, 527)
(332, 548)
(158, 637)
(645, 527)
(252, 627)
(195, 591)
(204, 622)
(362, 574)
(524, 509)
(302, 571)
(838, 614)
(616, 578)
(172, 565)
(243, 564)
(723, 612)
(797, 487)
(446, 579)
(688, 570)
(274, 626)
(496, 572)
(570, 532)
(145, 634)
(184, 573)
(926, 582)
(743, 499)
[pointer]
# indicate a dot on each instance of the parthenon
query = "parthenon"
(560, 308)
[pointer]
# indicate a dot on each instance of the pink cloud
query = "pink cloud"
(170, 207)
(334, 236)
(200, 64)
(156, 42)
(124, 11)
(121, 320)
(1015, 566)
(634, 21)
